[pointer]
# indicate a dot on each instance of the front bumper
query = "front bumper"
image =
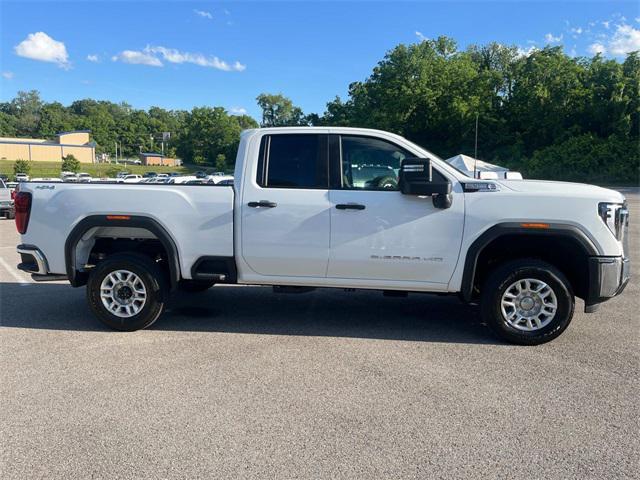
(608, 277)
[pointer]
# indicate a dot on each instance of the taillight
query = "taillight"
(22, 204)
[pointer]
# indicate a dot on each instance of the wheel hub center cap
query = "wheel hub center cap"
(527, 303)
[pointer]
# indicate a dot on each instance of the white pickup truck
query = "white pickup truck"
(340, 208)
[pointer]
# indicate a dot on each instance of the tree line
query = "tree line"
(546, 114)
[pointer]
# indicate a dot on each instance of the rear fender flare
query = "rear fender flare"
(78, 278)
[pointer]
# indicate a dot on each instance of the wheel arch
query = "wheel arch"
(529, 242)
(78, 278)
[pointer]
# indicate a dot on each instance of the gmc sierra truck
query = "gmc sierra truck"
(339, 208)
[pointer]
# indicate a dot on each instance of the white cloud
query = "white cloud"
(203, 14)
(549, 38)
(606, 24)
(638, 19)
(626, 39)
(576, 30)
(40, 46)
(173, 55)
(238, 111)
(7, 75)
(93, 58)
(154, 55)
(525, 52)
(420, 36)
(596, 48)
(137, 58)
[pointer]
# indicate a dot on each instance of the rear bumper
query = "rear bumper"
(32, 260)
(608, 277)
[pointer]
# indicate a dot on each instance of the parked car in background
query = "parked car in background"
(12, 186)
(149, 174)
(122, 174)
(182, 179)
(6, 201)
(4, 178)
(69, 176)
(46, 179)
(22, 177)
(84, 177)
(200, 174)
(216, 179)
(130, 178)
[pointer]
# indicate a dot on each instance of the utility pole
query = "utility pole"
(475, 151)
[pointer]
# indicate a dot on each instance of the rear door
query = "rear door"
(377, 233)
(285, 207)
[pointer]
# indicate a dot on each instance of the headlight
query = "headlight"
(616, 218)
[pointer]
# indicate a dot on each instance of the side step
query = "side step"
(292, 289)
(395, 293)
(217, 269)
(50, 277)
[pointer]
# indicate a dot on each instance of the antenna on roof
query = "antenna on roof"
(475, 151)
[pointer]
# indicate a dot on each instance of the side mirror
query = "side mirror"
(416, 178)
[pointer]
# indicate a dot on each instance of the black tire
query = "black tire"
(195, 286)
(503, 277)
(151, 276)
(11, 214)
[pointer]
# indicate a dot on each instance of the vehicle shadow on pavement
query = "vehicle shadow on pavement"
(257, 310)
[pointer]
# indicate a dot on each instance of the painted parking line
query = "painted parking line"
(18, 278)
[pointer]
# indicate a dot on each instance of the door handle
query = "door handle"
(263, 203)
(350, 206)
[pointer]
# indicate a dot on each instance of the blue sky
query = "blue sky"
(182, 54)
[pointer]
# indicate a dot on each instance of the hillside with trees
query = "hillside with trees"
(546, 114)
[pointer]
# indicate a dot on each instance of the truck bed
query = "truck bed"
(199, 218)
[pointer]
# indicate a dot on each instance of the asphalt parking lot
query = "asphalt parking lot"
(238, 382)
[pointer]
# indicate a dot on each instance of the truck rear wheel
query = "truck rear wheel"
(527, 302)
(127, 291)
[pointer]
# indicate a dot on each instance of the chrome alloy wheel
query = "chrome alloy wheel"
(529, 304)
(123, 293)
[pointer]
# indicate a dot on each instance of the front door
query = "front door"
(285, 207)
(378, 233)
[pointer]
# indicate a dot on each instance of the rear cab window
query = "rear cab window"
(296, 160)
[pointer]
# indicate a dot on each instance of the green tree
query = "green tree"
(26, 108)
(70, 164)
(221, 162)
(22, 166)
(279, 111)
(208, 132)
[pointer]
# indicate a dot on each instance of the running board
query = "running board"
(292, 289)
(50, 277)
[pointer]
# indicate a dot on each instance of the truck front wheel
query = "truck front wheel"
(527, 302)
(127, 291)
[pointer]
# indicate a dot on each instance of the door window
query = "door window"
(370, 163)
(293, 161)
